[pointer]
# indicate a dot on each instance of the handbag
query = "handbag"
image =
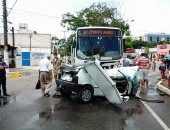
(38, 85)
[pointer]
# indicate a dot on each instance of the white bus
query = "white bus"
(104, 43)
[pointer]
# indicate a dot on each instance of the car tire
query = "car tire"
(85, 95)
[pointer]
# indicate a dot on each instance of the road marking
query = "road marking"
(156, 116)
(22, 77)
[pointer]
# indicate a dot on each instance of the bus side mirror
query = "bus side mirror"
(74, 43)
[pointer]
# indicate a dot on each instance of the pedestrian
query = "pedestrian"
(162, 69)
(144, 65)
(168, 77)
(3, 66)
(127, 61)
(168, 61)
(45, 75)
(133, 58)
(56, 69)
(153, 62)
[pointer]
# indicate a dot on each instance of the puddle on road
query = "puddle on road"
(45, 115)
(131, 116)
(128, 113)
(7, 100)
(4, 101)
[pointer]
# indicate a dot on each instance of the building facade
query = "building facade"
(30, 43)
(153, 37)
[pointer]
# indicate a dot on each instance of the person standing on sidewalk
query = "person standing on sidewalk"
(153, 62)
(162, 69)
(144, 66)
(168, 60)
(56, 69)
(45, 75)
(3, 66)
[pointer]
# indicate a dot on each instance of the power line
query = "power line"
(42, 39)
(34, 38)
(12, 8)
(29, 12)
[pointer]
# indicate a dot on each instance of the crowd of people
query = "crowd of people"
(146, 63)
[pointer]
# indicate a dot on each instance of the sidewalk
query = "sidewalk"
(163, 86)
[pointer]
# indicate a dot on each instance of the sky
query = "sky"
(44, 16)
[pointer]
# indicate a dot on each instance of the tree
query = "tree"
(152, 45)
(57, 43)
(164, 42)
(96, 15)
(137, 44)
(128, 42)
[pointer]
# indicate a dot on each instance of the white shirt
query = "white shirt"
(45, 65)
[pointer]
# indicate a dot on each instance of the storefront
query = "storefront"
(163, 50)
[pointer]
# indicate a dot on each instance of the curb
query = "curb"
(163, 89)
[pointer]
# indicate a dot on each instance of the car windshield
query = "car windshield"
(104, 47)
(120, 72)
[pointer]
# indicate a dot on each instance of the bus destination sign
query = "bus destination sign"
(84, 32)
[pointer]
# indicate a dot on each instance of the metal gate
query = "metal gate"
(25, 58)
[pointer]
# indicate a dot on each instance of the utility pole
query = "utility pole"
(13, 45)
(30, 42)
(5, 32)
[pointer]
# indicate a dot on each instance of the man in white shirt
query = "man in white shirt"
(45, 75)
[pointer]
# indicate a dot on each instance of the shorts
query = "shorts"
(143, 74)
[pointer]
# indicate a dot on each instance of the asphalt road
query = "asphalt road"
(27, 109)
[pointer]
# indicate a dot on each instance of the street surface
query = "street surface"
(27, 109)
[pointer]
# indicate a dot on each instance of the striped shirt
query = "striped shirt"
(143, 63)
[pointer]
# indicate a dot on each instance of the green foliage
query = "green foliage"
(128, 42)
(152, 45)
(164, 42)
(137, 44)
(66, 48)
(96, 15)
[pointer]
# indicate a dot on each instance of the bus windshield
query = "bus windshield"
(106, 47)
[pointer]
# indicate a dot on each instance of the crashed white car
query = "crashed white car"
(90, 79)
